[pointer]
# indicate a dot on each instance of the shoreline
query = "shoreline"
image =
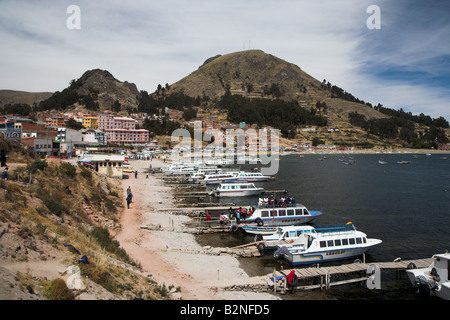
(156, 241)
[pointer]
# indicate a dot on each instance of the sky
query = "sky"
(395, 52)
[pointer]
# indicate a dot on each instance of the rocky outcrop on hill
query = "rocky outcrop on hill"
(107, 89)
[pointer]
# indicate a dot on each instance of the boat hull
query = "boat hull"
(238, 193)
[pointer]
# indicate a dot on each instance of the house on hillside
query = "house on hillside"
(109, 165)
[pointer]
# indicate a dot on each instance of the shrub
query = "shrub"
(57, 290)
(54, 205)
(37, 165)
(68, 169)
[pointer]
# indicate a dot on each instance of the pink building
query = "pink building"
(121, 130)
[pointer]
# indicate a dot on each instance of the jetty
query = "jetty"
(323, 278)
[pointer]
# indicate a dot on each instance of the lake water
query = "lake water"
(405, 205)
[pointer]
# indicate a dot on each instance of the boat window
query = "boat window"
(306, 212)
(358, 240)
(273, 213)
(337, 242)
(351, 240)
(364, 240)
(290, 212)
(298, 212)
(264, 213)
(345, 242)
(299, 233)
(323, 244)
(282, 213)
(292, 234)
(330, 243)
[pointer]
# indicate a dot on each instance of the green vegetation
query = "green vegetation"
(57, 290)
(400, 128)
(280, 114)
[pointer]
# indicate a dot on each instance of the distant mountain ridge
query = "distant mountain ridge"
(14, 96)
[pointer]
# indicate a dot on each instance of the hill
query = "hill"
(13, 97)
(95, 90)
(256, 74)
(240, 84)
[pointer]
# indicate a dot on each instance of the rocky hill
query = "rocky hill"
(108, 89)
(96, 90)
(256, 74)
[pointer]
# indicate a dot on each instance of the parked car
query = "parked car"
(128, 169)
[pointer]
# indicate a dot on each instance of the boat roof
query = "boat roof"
(295, 228)
(442, 256)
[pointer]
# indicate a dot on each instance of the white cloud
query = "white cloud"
(152, 42)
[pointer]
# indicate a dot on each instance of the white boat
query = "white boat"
(288, 233)
(294, 214)
(326, 244)
(259, 230)
(252, 176)
(382, 161)
(284, 235)
(236, 190)
(218, 178)
(200, 174)
(433, 280)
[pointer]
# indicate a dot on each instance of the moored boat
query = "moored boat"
(325, 244)
(259, 230)
(251, 176)
(236, 190)
(433, 280)
(293, 214)
(218, 178)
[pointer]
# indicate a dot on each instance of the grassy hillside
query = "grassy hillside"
(37, 217)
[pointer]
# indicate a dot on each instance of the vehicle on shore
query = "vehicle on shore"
(126, 168)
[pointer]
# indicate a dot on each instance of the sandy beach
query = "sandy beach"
(167, 253)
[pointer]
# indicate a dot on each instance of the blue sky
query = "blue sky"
(405, 64)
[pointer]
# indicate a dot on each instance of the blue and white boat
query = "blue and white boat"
(325, 244)
(289, 215)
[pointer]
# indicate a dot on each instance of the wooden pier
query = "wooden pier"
(323, 276)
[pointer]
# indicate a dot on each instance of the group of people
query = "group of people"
(281, 202)
(240, 214)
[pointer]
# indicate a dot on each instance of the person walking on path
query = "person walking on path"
(129, 196)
